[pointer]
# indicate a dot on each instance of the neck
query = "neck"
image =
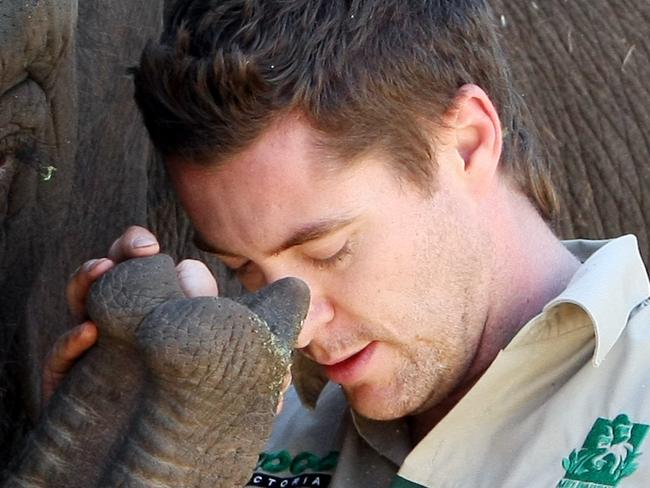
(529, 268)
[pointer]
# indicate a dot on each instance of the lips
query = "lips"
(352, 368)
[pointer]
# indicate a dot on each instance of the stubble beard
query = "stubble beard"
(428, 383)
(421, 381)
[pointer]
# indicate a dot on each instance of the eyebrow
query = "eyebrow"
(306, 233)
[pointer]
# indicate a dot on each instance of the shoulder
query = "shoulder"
(305, 444)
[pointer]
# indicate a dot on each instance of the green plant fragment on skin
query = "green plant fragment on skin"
(47, 172)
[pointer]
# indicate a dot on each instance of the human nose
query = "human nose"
(321, 310)
(320, 313)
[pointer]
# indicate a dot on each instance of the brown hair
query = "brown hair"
(365, 74)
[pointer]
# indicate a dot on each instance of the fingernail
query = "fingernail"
(139, 242)
(88, 266)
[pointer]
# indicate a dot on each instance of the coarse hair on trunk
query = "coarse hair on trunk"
(367, 75)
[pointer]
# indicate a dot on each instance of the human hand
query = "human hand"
(135, 242)
(194, 277)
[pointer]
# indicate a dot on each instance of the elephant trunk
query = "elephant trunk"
(178, 392)
(89, 405)
(209, 404)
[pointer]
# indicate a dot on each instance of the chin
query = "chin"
(382, 405)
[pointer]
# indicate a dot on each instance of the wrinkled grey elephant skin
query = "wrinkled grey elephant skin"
(65, 103)
(177, 392)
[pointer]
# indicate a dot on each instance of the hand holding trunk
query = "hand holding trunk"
(200, 378)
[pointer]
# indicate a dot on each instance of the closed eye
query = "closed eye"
(335, 259)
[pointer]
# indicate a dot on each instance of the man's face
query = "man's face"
(398, 278)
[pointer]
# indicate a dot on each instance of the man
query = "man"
(377, 151)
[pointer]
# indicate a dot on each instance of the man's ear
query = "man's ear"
(475, 135)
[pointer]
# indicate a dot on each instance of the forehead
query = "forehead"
(288, 147)
(283, 179)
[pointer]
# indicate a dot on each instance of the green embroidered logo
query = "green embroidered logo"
(608, 454)
(276, 462)
(305, 469)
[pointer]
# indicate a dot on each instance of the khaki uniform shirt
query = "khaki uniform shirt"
(566, 404)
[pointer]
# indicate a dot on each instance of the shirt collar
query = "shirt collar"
(609, 284)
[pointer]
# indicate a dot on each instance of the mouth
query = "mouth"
(352, 368)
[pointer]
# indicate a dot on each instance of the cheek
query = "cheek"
(382, 283)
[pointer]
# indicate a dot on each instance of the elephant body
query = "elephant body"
(76, 167)
(582, 68)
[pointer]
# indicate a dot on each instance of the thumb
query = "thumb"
(195, 279)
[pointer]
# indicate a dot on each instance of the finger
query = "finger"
(65, 352)
(136, 242)
(286, 383)
(195, 279)
(79, 285)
